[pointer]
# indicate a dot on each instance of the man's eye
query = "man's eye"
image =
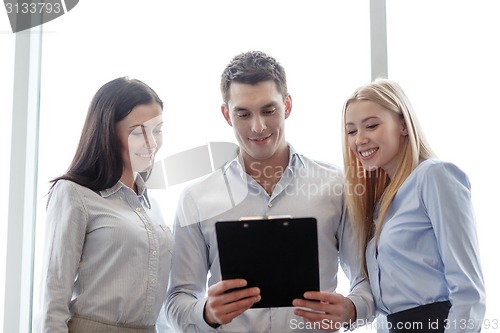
(242, 115)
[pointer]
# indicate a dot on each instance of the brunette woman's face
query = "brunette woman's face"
(375, 135)
(140, 135)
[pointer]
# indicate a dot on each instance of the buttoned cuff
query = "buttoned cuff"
(362, 316)
(199, 320)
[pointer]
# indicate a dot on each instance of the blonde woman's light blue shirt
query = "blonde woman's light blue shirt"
(428, 249)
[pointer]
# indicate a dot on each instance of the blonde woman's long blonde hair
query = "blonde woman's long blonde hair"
(365, 189)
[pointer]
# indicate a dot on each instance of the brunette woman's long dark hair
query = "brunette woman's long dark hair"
(98, 163)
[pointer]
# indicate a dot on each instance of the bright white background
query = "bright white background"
(7, 39)
(443, 53)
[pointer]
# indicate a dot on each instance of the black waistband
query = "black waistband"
(424, 318)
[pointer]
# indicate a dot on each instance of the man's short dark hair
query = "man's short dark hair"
(251, 68)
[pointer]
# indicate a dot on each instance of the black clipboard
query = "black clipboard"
(278, 255)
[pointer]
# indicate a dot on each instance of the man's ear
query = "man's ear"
(225, 112)
(288, 106)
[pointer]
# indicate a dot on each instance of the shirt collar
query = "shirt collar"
(112, 190)
(295, 160)
(141, 189)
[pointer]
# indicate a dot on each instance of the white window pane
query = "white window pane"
(7, 47)
(445, 55)
(180, 48)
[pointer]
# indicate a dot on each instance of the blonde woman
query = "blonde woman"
(413, 216)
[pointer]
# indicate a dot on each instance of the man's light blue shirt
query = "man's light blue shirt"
(306, 188)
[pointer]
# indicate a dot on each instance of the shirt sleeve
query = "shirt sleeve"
(64, 237)
(360, 291)
(186, 293)
(447, 199)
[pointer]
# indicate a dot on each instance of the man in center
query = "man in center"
(267, 178)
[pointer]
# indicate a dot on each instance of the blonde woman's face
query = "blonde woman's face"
(375, 136)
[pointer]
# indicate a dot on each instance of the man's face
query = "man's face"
(257, 114)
